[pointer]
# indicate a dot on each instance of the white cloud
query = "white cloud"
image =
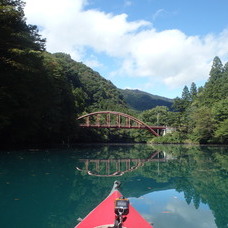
(188, 215)
(169, 56)
(92, 62)
(173, 211)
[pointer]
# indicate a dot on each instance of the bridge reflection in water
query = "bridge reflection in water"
(118, 167)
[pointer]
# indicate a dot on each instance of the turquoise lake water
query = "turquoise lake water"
(171, 186)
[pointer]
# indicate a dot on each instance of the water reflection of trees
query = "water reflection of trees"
(199, 172)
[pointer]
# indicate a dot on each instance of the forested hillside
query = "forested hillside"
(141, 101)
(42, 94)
(91, 92)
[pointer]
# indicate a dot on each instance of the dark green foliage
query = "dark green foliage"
(171, 138)
(220, 110)
(216, 69)
(19, 43)
(157, 116)
(141, 101)
(204, 124)
(193, 91)
(42, 94)
(22, 77)
(97, 92)
(186, 94)
(181, 104)
(216, 88)
(213, 98)
(92, 92)
(221, 133)
(103, 95)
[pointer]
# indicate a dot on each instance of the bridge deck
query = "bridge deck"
(120, 126)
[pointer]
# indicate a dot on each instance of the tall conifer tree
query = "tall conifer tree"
(216, 69)
(193, 90)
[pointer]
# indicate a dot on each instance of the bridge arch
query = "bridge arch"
(112, 119)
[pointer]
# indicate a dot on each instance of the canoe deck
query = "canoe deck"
(103, 215)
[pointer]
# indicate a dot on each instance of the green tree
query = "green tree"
(186, 96)
(220, 114)
(221, 133)
(156, 116)
(61, 114)
(181, 104)
(216, 69)
(20, 43)
(213, 90)
(178, 105)
(80, 99)
(37, 103)
(21, 73)
(193, 91)
(204, 124)
(220, 110)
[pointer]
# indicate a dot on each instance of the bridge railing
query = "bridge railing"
(112, 119)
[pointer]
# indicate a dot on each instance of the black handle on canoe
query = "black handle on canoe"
(117, 184)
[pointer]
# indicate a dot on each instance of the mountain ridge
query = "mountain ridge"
(141, 101)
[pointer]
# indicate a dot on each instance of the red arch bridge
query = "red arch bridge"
(112, 119)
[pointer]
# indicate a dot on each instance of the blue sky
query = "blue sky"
(157, 46)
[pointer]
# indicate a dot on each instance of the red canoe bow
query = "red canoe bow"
(103, 216)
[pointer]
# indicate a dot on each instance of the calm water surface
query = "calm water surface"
(171, 186)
